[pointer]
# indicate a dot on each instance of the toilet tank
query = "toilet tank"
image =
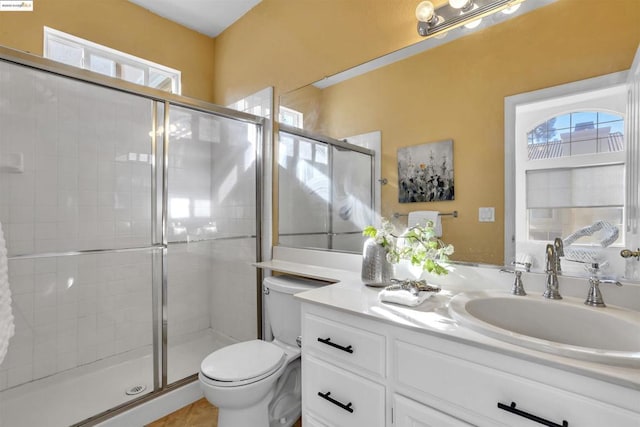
(282, 309)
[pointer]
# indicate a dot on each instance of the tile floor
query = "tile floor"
(199, 414)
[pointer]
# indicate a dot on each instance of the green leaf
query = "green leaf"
(370, 231)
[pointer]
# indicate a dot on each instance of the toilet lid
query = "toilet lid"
(243, 361)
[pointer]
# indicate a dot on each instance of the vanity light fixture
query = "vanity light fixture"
(511, 9)
(465, 5)
(432, 21)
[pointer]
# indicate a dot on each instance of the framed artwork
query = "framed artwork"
(425, 172)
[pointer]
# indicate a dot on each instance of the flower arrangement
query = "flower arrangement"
(419, 245)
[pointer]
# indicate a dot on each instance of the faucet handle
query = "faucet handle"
(594, 298)
(613, 281)
(592, 267)
(526, 265)
(518, 287)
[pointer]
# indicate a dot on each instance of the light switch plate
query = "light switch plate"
(487, 214)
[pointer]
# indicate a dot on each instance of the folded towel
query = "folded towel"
(403, 297)
(421, 218)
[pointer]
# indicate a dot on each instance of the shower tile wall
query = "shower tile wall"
(85, 185)
(73, 310)
(86, 180)
(233, 300)
(211, 214)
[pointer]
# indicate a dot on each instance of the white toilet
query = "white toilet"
(257, 383)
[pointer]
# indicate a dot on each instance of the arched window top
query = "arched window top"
(576, 133)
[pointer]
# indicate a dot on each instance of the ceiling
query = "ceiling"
(209, 17)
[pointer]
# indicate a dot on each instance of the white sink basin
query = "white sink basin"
(566, 327)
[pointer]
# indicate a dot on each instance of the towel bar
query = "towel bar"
(453, 214)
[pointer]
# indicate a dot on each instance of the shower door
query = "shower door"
(75, 204)
(132, 222)
(352, 198)
(325, 196)
(211, 236)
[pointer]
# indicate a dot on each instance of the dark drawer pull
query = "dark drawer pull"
(346, 407)
(327, 341)
(512, 408)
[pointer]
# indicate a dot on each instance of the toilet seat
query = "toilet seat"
(242, 363)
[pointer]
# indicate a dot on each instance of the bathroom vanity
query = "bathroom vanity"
(367, 363)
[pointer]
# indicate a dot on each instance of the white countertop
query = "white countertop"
(349, 294)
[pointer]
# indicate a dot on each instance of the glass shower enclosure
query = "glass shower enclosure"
(132, 219)
(326, 191)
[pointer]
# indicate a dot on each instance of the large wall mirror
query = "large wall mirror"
(455, 89)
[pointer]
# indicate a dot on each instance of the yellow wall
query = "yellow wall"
(120, 25)
(290, 43)
(455, 91)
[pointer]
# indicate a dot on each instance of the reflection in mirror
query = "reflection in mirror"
(456, 90)
(569, 179)
(326, 193)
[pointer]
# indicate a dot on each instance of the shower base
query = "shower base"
(69, 397)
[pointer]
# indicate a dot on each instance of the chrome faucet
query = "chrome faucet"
(594, 298)
(518, 287)
(559, 248)
(551, 262)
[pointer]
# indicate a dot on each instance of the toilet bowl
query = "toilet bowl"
(257, 383)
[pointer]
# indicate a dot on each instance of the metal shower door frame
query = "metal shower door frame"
(159, 237)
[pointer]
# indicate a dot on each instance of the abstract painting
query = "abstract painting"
(425, 172)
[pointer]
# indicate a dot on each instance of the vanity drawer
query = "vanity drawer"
(408, 413)
(309, 421)
(473, 392)
(340, 398)
(344, 344)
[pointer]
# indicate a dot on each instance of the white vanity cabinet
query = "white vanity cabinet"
(344, 371)
(409, 413)
(360, 371)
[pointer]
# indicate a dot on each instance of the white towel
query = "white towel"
(421, 217)
(404, 297)
(6, 317)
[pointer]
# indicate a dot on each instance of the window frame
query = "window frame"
(119, 58)
(606, 83)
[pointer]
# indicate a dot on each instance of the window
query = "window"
(570, 170)
(576, 133)
(291, 117)
(258, 104)
(82, 53)
(560, 200)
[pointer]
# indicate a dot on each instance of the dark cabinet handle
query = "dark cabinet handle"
(512, 408)
(327, 341)
(326, 396)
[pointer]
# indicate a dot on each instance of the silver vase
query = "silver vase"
(376, 270)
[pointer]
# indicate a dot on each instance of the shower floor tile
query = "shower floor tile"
(199, 414)
(77, 394)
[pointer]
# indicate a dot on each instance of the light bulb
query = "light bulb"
(510, 10)
(473, 24)
(459, 4)
(425, 11)
(441, 35)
